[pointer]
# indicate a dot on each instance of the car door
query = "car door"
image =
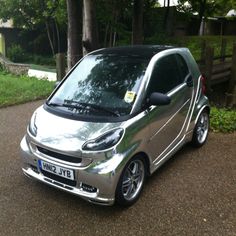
(170, 76)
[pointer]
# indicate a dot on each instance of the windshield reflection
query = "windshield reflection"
(103, 80)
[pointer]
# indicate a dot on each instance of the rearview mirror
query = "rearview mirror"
(159, 99)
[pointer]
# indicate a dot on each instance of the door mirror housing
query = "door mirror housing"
(159, 99)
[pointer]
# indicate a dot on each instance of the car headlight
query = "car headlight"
(32, 125)
(105, 141)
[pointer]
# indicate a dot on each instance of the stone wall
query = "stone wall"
(14, 68)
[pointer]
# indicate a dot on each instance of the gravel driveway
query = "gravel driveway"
(192, 194)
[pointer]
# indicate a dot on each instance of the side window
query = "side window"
(165, 76)
(182, 66)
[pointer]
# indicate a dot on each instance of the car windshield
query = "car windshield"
(103, 85)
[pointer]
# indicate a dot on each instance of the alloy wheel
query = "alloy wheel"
(133, 179)
(202, 127)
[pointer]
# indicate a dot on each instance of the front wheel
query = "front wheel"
(131, 182)
(201, 129)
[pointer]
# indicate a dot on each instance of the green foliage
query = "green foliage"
(194, 43)
(211, 7)
(115, 20)
(33, 14)
(193, 6)
(28, 13)
(20, 89)
(223, 120)
(224, 6)
(15, 53)
(40, 60)
(43, 60)
(1, 68)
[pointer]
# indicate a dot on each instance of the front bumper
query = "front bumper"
(101, 175)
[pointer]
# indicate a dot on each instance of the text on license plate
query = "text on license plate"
(57, 170)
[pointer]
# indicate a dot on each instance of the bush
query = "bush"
(223, 120)
(44, 60)
(16, 53)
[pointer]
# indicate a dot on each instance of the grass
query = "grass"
(223, 120)
(21, 89)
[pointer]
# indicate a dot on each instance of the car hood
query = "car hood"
(66, 134)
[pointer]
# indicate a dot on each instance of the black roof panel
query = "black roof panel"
(146, 51)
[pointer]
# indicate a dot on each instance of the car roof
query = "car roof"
(146, 51)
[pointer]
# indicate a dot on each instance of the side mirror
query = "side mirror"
(159, 99)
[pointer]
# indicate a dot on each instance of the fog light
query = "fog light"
(88, 188)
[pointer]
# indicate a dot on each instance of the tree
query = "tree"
(166, 13)
(116, 21)
(205, 8)
(74, 38)
(224, 6)
(90, 31)
(29, 14)
(137, 25)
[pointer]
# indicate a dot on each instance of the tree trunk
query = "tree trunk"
(58, 36)
(201, 13)
(137, 34)
(167, 10)
(74, 11)
(90, 31)
(49, 37)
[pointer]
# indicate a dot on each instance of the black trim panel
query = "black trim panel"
(59, 155)
(88, 118)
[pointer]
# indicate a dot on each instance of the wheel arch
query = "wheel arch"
(145, 158)
(203, 108)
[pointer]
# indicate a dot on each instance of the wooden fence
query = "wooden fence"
(218, 70)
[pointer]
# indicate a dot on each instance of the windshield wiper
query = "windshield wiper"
(53, 104)
(89, 105)
(81, 105)
(73, 106)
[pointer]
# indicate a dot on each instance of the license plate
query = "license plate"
(57, 170)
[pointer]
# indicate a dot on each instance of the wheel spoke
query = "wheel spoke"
(133, 179)
(137, 177)
(202, 127)
(135, 168)
(126, 183)
(129, 190)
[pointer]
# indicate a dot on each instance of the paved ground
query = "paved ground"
(192, 194)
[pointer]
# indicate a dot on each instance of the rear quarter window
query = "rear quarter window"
(184, 71)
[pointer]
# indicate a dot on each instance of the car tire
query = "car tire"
(131, 182)
(201, 129)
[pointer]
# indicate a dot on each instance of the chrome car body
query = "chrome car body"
(155, 132)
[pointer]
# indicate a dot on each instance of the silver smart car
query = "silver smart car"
(116, 117)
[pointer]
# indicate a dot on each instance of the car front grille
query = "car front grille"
(60, 156)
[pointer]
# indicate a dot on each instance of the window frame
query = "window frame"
(183, 80)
